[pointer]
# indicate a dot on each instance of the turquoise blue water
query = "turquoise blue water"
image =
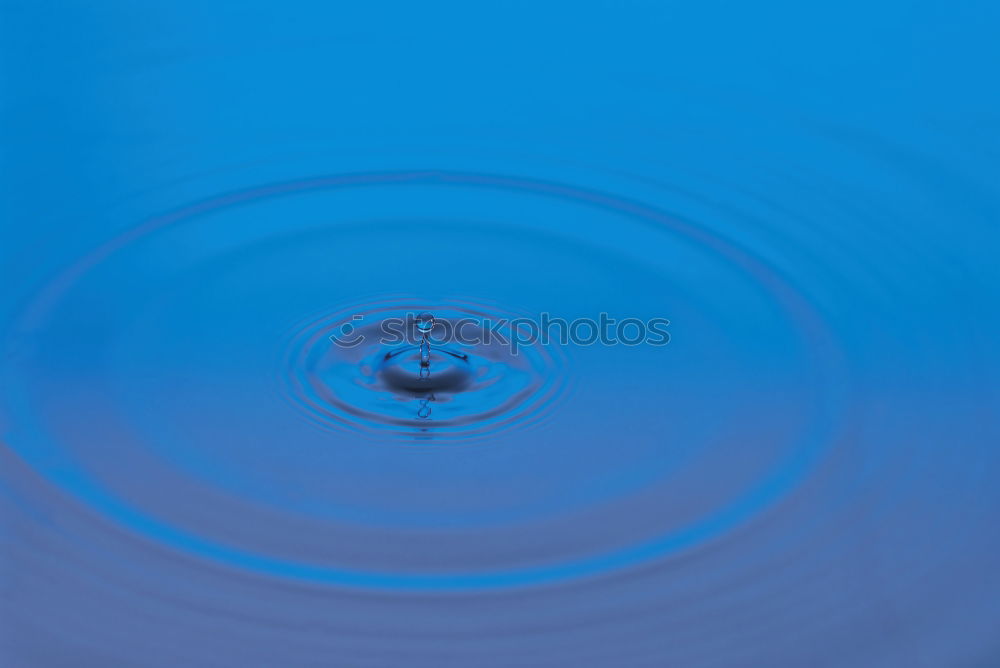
(197, 196)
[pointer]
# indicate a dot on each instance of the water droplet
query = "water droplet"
(425, 352)
(424, 411)
(425, 323)
(435, 385)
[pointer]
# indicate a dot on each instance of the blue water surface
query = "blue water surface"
(197, 195)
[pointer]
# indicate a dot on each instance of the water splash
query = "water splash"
(425, 323)
(475, 389)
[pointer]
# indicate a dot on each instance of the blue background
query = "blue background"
(805, 476)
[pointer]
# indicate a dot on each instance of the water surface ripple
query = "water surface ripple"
(194, 474)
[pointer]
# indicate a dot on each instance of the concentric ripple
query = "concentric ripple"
(211, 367)
(378, 382)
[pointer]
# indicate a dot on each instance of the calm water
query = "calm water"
(196, 196)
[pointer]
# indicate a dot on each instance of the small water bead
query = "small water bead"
(425, 323)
